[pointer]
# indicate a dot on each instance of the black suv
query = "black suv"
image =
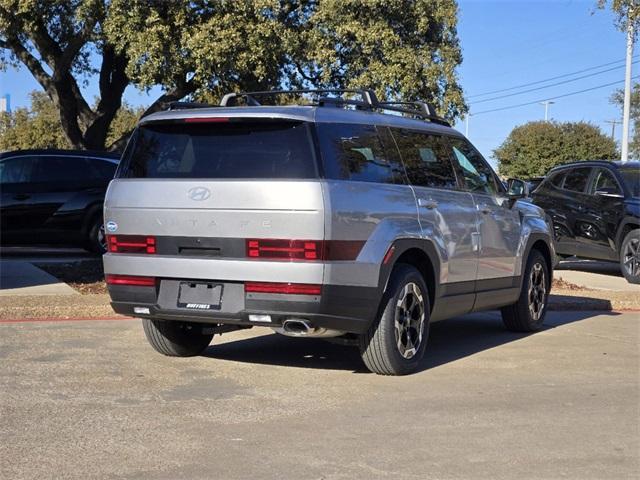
(54, 197)
(595, 208)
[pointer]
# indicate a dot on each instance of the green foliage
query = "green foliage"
(532, 149)
(618, 99)
(39, 126)
(405, 49)
(624, 10)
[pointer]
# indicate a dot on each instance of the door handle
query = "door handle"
(486, 209)
(427, 203)
(22, 196)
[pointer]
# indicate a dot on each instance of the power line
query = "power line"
(547, 79)
(550, 85)
(552, 98)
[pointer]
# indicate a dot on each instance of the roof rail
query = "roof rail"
(184, 105)
(367, 101)
(423, 110)
(368, 97)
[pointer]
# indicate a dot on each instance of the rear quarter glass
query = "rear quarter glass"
(245, 149)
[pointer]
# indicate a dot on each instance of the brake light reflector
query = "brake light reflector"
(288, 288)
(130, 280)
(131, 244)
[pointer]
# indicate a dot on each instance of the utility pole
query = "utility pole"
(546, 104)
(613, 123)
(627, 85)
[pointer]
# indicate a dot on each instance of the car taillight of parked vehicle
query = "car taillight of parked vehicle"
(131, 244)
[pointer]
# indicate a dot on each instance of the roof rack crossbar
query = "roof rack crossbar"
(368, 101)
(368, 96)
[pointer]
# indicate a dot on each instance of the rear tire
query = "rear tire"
(527, 314)
(396, 341)
(630, 256)
(175, 339)
(96, 239)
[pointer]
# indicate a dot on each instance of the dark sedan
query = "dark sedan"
(595, 208)
(54, 197)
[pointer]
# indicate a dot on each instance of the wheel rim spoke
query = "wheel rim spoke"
(537, 291)
(409, 320)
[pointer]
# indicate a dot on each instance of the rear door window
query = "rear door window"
(58, 170)
(240, 149)
(576, 180)
(426, 159)
(103, 169)
(17, 170)
(357, 153)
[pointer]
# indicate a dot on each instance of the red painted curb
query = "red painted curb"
(62, 319)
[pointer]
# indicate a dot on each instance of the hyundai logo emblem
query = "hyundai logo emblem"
(199, 193)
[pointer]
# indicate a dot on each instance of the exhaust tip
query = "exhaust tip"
(297, 326)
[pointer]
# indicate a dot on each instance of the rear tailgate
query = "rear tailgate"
(202, 190)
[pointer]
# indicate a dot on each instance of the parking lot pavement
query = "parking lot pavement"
(595, 275)
(92, 400)
(19, 277)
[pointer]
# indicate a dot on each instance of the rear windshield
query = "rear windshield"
(279, 150)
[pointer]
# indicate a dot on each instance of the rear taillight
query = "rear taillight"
(130, 280)
(288, 288)
(284, 249)
(267, 248)
(131, 244)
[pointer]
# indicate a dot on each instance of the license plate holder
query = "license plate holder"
(200, 295)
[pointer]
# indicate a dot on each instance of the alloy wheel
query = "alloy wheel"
(631, 257)
(537, 291)
(409, 320)
(102, 238)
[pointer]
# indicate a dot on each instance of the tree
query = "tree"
(40, 127)
(532, 149)
(201, 48)
(624, 10)
(618, 99)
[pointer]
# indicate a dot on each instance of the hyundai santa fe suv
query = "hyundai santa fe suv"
(347, 217)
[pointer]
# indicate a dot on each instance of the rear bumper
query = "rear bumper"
(346, 308)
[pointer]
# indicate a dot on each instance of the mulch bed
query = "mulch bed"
(86, 276)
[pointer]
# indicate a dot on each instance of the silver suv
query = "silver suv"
(347, 217)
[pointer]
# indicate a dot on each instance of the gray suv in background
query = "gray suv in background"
(347, 217)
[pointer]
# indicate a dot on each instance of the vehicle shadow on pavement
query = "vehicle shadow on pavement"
(449, 341)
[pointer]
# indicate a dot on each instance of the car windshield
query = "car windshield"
(632, 180)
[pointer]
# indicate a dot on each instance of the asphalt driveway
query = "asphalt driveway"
(90, 399)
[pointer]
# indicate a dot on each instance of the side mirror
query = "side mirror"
(517, 188)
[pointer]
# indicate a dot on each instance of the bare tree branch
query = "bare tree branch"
(178, 93)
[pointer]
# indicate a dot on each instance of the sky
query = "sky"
(505, 43)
